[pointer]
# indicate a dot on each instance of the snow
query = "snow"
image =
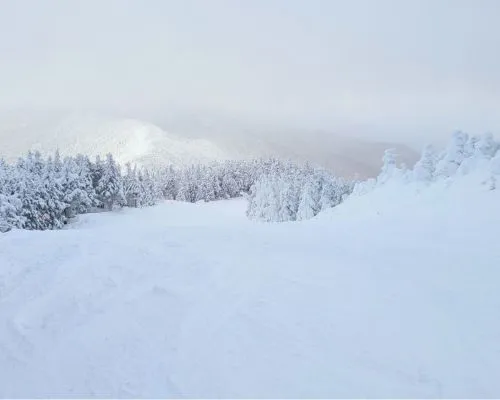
(391, 294)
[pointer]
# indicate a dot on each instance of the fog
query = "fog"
(407, 71)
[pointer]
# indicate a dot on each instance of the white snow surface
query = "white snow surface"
(391, 294)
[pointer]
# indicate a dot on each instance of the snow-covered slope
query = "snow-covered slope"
(391, 294)
(127, 139)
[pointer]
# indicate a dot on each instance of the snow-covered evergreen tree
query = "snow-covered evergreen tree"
(109, 187)
(308, 204)
(289, 197)
(494, 166)
(73, 191)
(331, 194)
(206, 190)
(171, 183)
(55, 193)
(486, 147)
(453, 156)
(10, 212)
(150, 192)
(229, 185)
(89, 197)
(389, 167)
(131, 186)
(294, 193)
(424, 169)
(263, 203)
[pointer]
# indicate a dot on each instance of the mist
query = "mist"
(406, 71)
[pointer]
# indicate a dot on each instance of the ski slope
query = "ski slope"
(391, 294)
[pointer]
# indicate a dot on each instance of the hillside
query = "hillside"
(391, 294)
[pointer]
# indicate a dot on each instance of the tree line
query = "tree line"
(40, 193)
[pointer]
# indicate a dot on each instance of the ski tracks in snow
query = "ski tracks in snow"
(195, 301)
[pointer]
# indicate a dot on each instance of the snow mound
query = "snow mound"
(128, 140)
(391, 294)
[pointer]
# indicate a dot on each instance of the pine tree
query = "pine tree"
(486, 147)
(453, 156)
(307, 205)
(147, 188)
(89, 197)
(109, 187)
(54, 195)
(424, 168)
(206, 187)
(32, 190)
(389, 168)
(288, 200)
(96, 173)
(229, 185)
(330, 194)
(131, 186)
(184, 192)
(75, 187)
(263, 204)
(10, 212)
(495, 171)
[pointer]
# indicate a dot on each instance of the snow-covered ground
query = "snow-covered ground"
(391, 294)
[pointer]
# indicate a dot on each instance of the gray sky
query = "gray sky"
(404, 69)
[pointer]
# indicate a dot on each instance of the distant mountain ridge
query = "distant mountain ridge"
(344, 154)
(189, 141)
(129, 140)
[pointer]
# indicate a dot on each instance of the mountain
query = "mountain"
(344, 153)
(346, 156)
(188, 140)
(128, 139)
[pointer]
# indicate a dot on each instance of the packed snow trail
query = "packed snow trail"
(391, 294)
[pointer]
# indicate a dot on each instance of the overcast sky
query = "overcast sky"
(405, 68)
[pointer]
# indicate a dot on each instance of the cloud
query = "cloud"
(393, 66)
